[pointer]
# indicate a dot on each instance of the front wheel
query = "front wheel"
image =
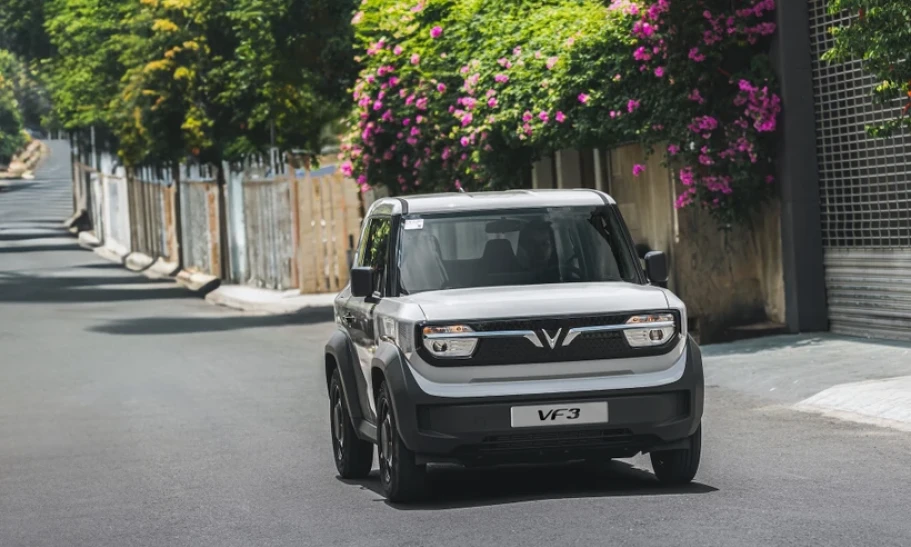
(401, 478)
(678, 467)
(353, 457)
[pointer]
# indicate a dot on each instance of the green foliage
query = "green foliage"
(879, 36)
(216, 79)
(498, 84)
(22, 29)
(12, 137)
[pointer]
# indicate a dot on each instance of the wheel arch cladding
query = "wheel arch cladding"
(338, 355)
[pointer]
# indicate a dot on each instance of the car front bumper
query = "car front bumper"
(479, 431)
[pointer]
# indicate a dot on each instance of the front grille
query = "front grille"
(563, 440)
(585, 347)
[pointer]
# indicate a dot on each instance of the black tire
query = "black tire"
(678, 467)
(401, 478)
(353, 457)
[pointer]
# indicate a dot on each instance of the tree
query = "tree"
(22, 29)
(11, 130)
(879, 36)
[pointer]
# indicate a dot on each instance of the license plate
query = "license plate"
(566, 414)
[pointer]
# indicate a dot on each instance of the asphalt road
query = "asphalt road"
(132, 413)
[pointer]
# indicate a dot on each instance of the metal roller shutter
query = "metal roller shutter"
(865, 190)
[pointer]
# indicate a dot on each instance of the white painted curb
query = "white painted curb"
(137, 262)
(198, 282)
(87, 240)
(277, 303)
(161, 269)
(886, 403)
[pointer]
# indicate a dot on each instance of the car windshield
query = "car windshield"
(515, 247)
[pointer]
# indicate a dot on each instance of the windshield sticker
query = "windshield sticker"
(414, 224)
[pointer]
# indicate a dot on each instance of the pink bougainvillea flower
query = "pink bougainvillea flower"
(642, 54)
(614, 114)
(659, 72)
(551, 62)
(441, 87)
(517, 51)
(377, 105)
(687, 177)
(696, 96)
(544, 117)
(770, 179)
(632, 105)
(467, 119)
(358, 17)
(527, 116)
(397, 50)
(421, 103)
(560, 117)
(504, 62)
(465, 141)
(492, 102)
(583, 98)
(501, 78)
(638, 169)
(436, 32)
(695, 56)
(415, 58)
(673, 149)
(347, 169)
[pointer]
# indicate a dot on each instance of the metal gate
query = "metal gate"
(865, 191)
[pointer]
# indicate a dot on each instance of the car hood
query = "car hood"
(538, 301)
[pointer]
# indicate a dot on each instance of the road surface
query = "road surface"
(133, 413)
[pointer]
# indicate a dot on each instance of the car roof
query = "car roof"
(488, 201)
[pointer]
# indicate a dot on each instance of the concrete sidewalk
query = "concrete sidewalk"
(847, 378)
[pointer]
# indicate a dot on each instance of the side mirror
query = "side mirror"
(656, 268)
(362, 282)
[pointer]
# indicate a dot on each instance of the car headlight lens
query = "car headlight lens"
(452, 342)
(656, 330)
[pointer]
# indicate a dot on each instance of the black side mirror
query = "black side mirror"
(362, 282)
(656, 268)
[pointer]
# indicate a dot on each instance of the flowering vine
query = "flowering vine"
(445, 102)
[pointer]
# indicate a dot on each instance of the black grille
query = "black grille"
(555, 441)
(589, 346)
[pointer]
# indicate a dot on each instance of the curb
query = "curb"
(77, 220)
(110, 254)
(222, 297)
(198, 282)
(137, 262)
(885, 402)
(88, 240)
(161, 269)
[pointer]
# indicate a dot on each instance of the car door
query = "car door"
(359, 312)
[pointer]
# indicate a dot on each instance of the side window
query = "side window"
(374, 250)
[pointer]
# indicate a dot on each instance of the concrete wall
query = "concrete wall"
(726, 278)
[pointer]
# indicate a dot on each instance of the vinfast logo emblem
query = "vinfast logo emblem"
(551, 340)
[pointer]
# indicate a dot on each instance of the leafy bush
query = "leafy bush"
(466, 93)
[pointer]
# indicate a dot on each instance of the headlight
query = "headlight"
(451, 342)
(656, 330)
